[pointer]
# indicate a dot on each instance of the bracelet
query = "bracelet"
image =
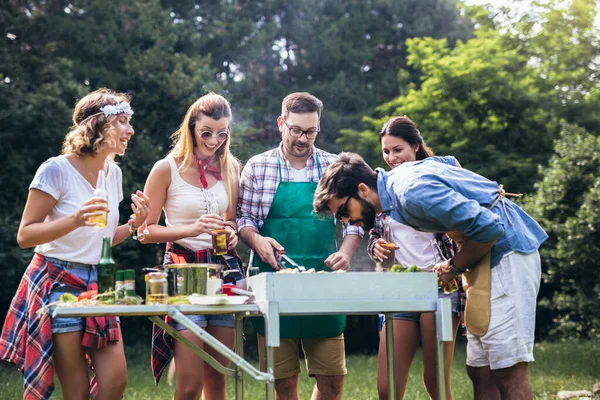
(130, 224)
(231, 224)
(455, 271)
(133, 230)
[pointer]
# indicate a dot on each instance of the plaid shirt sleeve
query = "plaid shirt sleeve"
(260, 178)
(247, 209)
(374, 234)
(446, 244)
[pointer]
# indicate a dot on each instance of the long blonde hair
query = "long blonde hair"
(91, 129)
(216, 107)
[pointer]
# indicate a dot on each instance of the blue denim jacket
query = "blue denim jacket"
(432, 195)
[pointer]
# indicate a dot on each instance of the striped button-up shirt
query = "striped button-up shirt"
(260, 179)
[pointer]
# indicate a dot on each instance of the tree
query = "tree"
(567, 205)
(495, 100)
(563, 40)
(477, 101)
(346, 53)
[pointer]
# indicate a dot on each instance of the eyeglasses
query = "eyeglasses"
(296, 132)
(221, 136)
(342, 211)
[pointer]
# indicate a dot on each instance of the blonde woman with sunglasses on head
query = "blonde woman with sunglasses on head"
(196, 185)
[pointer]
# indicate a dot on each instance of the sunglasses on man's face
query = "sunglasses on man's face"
(342, 211)
(221, 136)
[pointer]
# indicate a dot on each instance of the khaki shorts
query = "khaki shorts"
(509, 338)
(323, 356)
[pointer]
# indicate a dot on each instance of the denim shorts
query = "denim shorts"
(416, 316)
(88, 274)
(203, 321)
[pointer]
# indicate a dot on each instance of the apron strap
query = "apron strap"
(501, 196)
(318, 165)
(279, 168)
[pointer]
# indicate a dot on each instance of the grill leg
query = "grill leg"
(239, 349)
(389, 344)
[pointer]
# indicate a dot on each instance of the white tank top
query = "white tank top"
(416, 248)
(186, 203)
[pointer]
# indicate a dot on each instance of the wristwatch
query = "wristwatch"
(455, 271)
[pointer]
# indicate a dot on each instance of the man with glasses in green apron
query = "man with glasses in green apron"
(275, 215)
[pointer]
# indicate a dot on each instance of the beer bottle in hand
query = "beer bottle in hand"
(100, 191)
(106, 272)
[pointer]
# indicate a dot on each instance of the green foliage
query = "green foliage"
(495, 100)
(346, 53)
(477, 101)
(567, 205)
(564, 42)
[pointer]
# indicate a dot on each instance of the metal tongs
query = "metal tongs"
(283, 258)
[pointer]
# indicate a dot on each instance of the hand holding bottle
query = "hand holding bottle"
(384, 250)
(101, 195)
(446, 279)
(208, 223)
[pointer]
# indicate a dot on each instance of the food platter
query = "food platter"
(208, 300)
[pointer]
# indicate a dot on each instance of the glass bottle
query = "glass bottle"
(219, 241)
(389, 244)
(129, 282)
(451, 286)
(100, 191)
(106, 272)
(119, 284)
(156, 288)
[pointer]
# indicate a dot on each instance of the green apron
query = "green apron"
(308, 240)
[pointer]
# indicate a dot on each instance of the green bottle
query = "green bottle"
(106, 272)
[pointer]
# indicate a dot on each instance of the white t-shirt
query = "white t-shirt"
(414, 247)
(299, 175)
(59, 178)
(186, 203)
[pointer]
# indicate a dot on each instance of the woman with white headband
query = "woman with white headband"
(58, 221)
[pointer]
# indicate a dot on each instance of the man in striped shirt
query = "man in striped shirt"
(274, 216)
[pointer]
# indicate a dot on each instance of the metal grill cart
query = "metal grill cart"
(278, 294)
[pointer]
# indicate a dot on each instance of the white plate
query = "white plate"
(209, 300)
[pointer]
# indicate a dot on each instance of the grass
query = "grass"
(558, 366)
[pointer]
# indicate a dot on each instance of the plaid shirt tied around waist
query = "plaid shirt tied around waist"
(163, 344)
(26, 339)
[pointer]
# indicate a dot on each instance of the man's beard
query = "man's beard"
(298, 152)
(367, 215)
